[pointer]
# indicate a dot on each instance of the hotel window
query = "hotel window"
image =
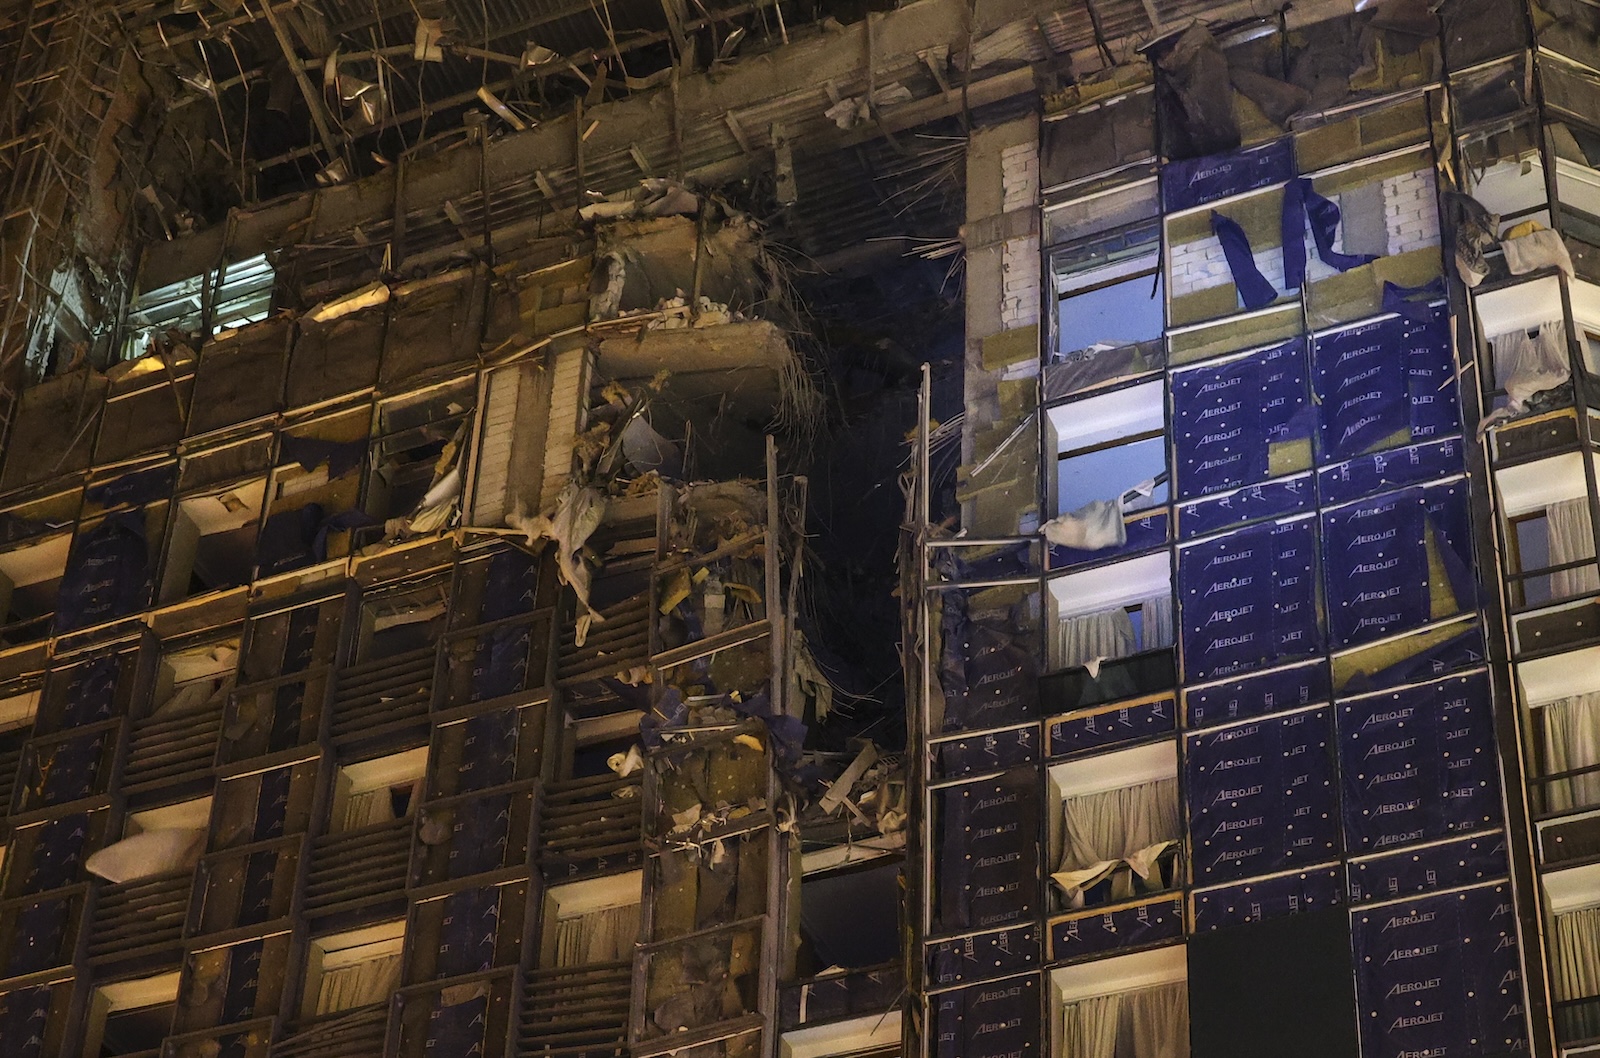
(354, 969)
(378, 791)
(1135, 1006)
(1115, 828)
(131, 1017)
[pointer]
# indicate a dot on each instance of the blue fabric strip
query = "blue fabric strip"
(135, 489)
(467, 931)
(1446, 866)
(1268, 898)
(1458, 652)
(1254, 290)
(489, 751)
(58, 853)
(1248, 599)
(456, 1030)
(1197, 181)
(479, 836)
(988, 1021)
(1252, 696)
(1224, 417)
(24, 1018)
(109, 574)
(1076, 734)
(1301, 204)
(1124, 927)
(988, 859)
(1360, 376)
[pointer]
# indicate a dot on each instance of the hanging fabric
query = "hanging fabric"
(1254, 289)
(1571, 539)
(1529, 249)
(1527, 362)
(1155, 623)
(1302, 204)
(1157, 1021)
(1376, 567)
(1571, 730)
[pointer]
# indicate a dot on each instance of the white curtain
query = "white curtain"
(1086, 637)
(600, 936)
(1572, 740)
(1571, 540)
(1528, 363)
(357, 985)
(1146, 1023)
(1155, 615)
(1117, 823)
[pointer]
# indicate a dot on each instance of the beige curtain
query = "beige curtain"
(1117, 823)
(1571, 540)
(1572, 740)
(600, 936)
(358, 985)
(1144, 1023)
(1089, 1028)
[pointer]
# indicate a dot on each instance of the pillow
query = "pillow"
(147, 855)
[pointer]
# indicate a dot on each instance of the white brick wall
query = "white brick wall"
(1411, 211)
(1019, 270)
(1019, 176)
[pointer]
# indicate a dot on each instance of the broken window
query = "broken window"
(418, 456)
(236, 294)
(1110, 487)
(1099, 137)
(1110, 309)
(313, 492)
(212, 542)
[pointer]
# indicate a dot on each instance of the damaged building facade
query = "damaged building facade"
(1258, 657)
(408, 518)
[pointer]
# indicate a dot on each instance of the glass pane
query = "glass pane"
(1103, 474)
(1123, 312)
